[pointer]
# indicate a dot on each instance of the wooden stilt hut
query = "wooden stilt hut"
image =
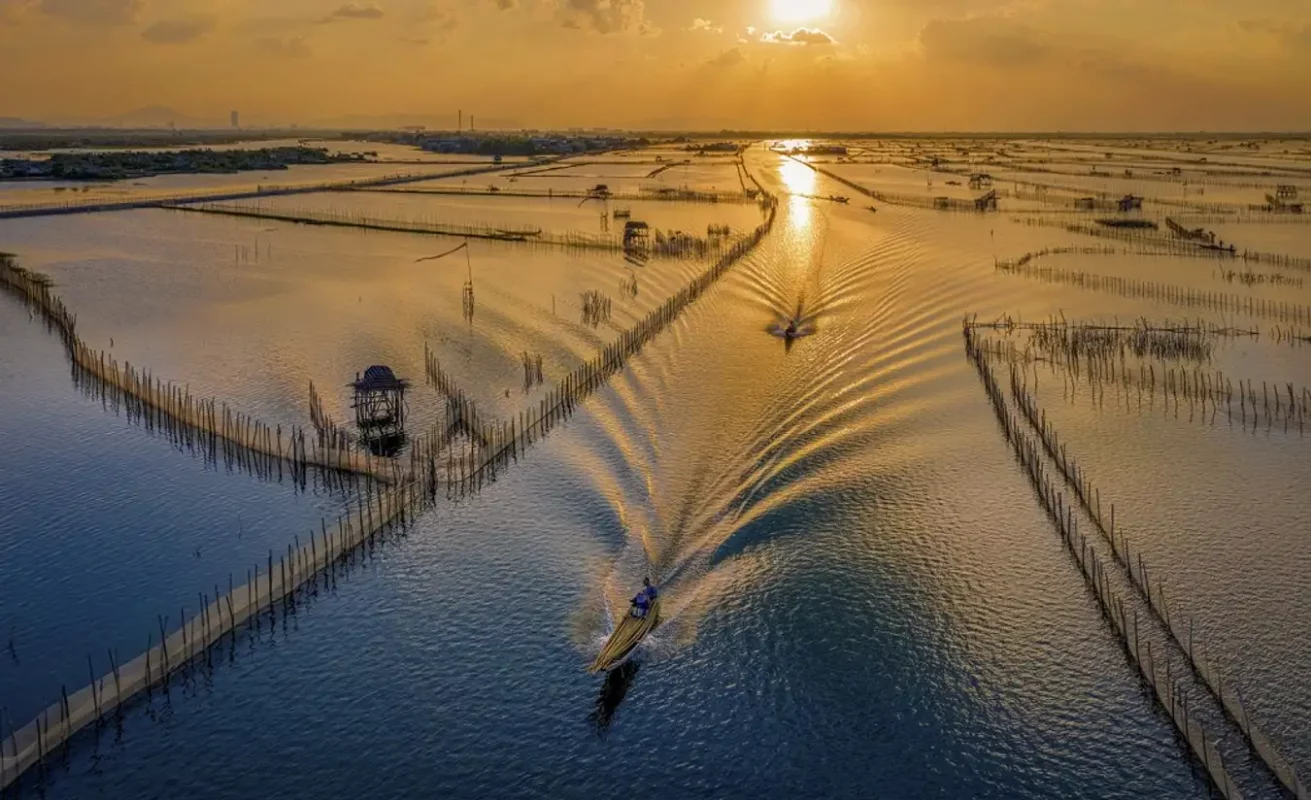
(380, 407)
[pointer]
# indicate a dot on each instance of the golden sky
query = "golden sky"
(1095, 65)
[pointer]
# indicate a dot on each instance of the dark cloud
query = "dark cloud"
(1294, 38)
(800, 36)
(1298, 39)
(442, 20)
(178, 31)
(100, 12)
(354, 10)
(1259, 25)
(286, 47)
(729, 58)
(983, 41)
(506, 5)
(605, 16)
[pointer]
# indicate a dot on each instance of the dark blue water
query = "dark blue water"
(106, 526)
(441, 672)
(865, 602)
(863, 597)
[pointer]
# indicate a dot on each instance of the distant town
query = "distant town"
(120, 164)
(70, 157)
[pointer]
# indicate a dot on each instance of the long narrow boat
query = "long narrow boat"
(628, 634)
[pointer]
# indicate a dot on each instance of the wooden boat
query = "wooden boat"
(628, 634)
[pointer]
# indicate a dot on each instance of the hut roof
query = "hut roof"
(379, 376)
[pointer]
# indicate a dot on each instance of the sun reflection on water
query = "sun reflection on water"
(800, 181)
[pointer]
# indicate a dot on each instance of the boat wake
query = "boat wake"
(700, 495)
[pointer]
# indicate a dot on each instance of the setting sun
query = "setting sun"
(796, 11)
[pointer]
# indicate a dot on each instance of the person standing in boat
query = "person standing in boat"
(644, 599)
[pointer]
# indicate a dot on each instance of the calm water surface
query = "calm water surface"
(864, 597)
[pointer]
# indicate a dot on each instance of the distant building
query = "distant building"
(235, 119)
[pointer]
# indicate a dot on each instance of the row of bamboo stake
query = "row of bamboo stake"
(164, 402)
(1283, 403)
(492, 446)
(377, 508)
(1170, 246)
(1094, 570)
(331, 435)
(671, 246)
(1190, 205)
(1246, 218)
(1224, 691)
(220, 615)
(675, 196)
(1223, 302)
(1069, 342)
(32, 209)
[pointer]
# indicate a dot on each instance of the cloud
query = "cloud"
(705, 25)
(729, 58)
(285, 47)
(99, 12)
(442, 20)
(506, 5)
(14, 11)
(432, 24)
(606, 16)
(983, 41)
(353, 10)
(1292, 37)
(801, 36)
(178, 31)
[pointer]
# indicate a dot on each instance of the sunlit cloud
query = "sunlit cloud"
(605, 16)
(913, 64)
(177, 31)
(354, 10)
(729, 58)
(282, 47)
(801, 36)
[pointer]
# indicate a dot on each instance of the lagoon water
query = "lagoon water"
(865, 599)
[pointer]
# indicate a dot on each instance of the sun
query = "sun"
(797, 11)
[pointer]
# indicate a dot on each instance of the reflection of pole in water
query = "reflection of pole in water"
(613, 690)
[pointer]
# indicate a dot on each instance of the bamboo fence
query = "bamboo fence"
(40, 209)
(1224, 690)
(490, 448)
(1172, 246)
(1093, 568)
(163, 402)
(1182, 296)
(675, 196)
(219, 615)
(493, 445)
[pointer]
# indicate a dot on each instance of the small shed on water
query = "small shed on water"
(379, 402)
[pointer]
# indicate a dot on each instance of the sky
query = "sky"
(822, 65)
